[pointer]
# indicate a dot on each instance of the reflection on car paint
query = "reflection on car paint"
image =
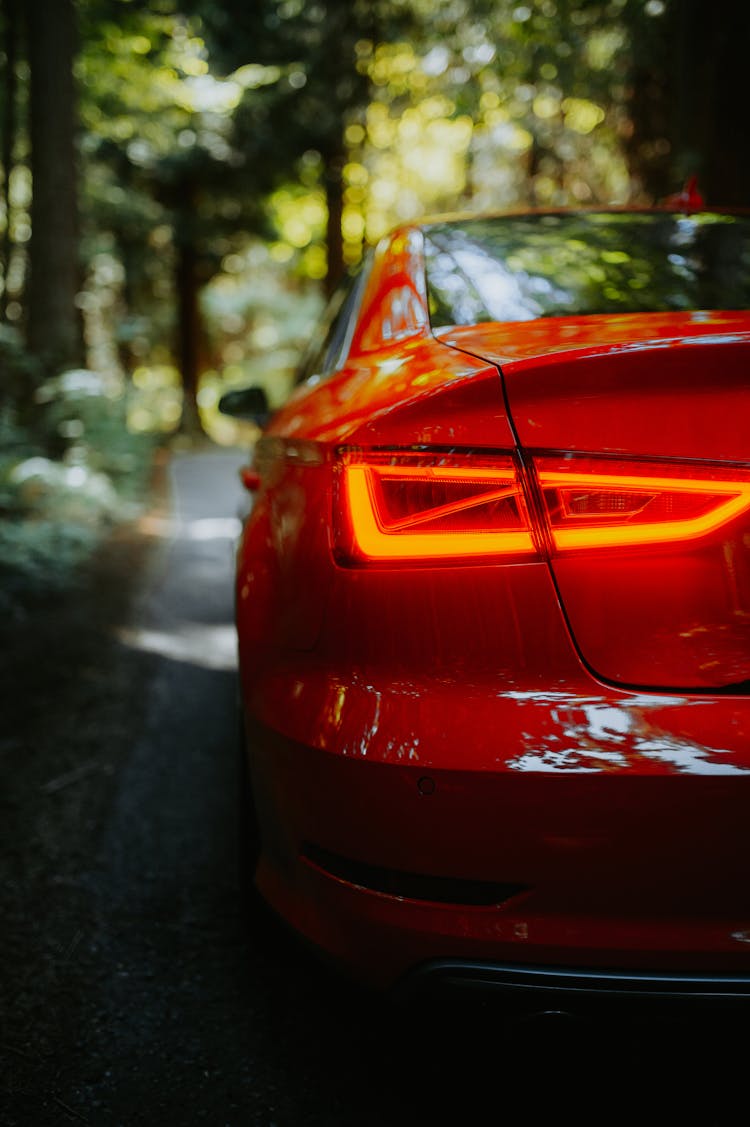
(553, 731)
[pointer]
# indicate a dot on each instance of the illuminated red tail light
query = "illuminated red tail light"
(411, 507)
(397, 506)
(594, 503)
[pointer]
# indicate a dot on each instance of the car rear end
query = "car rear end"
(511, 747)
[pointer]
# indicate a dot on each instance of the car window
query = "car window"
(332, 339)
(516, 268)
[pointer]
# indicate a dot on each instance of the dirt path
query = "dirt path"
(129, 990)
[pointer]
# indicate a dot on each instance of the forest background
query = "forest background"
(183, 181)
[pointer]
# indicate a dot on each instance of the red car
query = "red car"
(493, 605)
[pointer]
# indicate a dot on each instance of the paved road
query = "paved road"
(136, 996)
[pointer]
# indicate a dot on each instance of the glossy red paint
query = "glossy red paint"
(569, 721)
(673, 386)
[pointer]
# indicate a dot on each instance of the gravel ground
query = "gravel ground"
(130, 991)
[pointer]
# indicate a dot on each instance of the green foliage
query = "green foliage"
(69, 467)
(40, 557)
(89, 414)
(21, 372)
(259, 324)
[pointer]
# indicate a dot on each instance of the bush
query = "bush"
(69, 468)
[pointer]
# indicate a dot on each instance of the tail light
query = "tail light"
(592, 503)
(402, 507)
(396, 507)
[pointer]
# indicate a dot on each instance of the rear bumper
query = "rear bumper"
(488, 878)
(474, 822)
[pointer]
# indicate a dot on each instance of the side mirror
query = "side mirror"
(247, 403)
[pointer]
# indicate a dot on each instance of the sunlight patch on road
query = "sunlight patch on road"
(206, 528)
(211, 647)
(211, 528)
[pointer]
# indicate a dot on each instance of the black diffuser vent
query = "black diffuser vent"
(411, 886)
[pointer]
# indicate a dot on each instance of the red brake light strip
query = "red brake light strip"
(497, 521)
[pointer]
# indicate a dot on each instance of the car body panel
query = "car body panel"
(418, 391)
(667, 385)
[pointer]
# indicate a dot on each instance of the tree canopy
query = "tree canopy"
(167, 166)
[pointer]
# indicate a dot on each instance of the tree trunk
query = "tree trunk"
(10, 29)
(188, 321)
(687, 101)
(334, 182)
(722, 107)
(53, 322)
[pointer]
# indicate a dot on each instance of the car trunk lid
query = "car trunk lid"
(648, 399)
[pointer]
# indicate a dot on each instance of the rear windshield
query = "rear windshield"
(517, 268)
